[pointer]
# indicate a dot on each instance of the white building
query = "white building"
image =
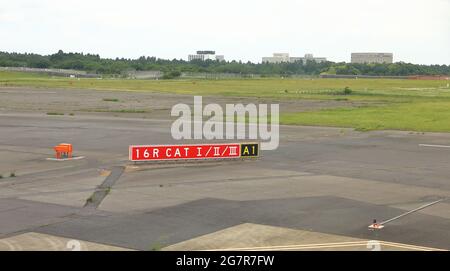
(206, 55)
(284, 57)
(277, 58)
(372, 58)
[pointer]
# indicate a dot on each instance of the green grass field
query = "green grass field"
(415, 105)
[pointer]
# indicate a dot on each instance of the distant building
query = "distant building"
(206, 55)
(372, 58)
(144, 74)
(284, 57)
(220, 57)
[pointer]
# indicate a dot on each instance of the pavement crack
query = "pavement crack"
(103, 190)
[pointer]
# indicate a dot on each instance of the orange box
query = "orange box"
(63, 149)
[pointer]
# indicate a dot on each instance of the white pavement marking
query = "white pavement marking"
(65, 159)
(412, 211)
(434, 146)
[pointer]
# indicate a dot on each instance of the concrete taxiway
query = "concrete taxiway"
(318, 191)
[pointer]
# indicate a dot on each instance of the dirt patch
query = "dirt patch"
(132, 104)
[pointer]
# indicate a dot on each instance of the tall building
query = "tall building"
(206, 55)
(284, 57)
(372, 58)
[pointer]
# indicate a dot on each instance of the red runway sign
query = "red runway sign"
(198, 151)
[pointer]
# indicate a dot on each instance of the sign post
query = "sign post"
(193, 151)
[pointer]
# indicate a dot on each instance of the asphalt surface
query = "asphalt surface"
(325, 180)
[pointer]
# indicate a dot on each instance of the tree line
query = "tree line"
(93, 63)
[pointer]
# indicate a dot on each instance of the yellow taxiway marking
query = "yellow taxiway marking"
(296, 246)
(332, 245)
(410, 246)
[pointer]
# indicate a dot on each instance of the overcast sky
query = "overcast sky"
(415, 31)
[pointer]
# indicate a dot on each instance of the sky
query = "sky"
(416, 31)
